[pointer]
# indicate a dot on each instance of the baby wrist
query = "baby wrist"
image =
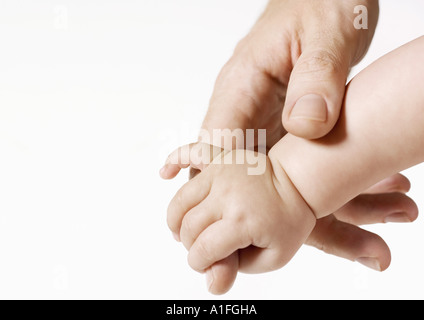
(287, 190)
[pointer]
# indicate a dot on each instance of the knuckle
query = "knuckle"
(200, 256)
(172, 212)
(204, 251)
(187, 228)
(238, 217)
(279, 261)
(170, 220)
(318, 62)
(179, 199)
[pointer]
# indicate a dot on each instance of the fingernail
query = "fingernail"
(398, 217)
(310, 107)
(371, 263)
(176, 236)
(209, 279)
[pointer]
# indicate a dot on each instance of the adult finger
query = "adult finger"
(350, 242)
(378, 208)
(395, 183)
(316, 89)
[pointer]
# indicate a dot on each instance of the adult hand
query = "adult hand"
(298, 55)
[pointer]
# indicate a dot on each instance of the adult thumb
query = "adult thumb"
(315, 93)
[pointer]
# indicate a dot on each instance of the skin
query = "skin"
(295, 51)
(296, 48)
(361, 139)
(274, 213)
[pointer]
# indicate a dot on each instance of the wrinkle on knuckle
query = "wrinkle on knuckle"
(318, 62)
(202, 252)
(187, 228)
(238, 217)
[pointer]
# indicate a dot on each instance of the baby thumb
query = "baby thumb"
(195, 155)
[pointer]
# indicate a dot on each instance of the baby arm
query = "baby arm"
(380, 132)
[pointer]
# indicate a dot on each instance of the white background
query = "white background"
(93, 95)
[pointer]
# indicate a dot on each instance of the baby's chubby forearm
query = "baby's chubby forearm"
(380, 132)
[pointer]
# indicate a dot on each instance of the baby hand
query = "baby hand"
(337, 234)
(224, 209)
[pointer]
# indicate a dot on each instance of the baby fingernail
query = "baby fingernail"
(176, 236)
(371, 263)
(209, 279)
(310, 107)
(397, 218)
